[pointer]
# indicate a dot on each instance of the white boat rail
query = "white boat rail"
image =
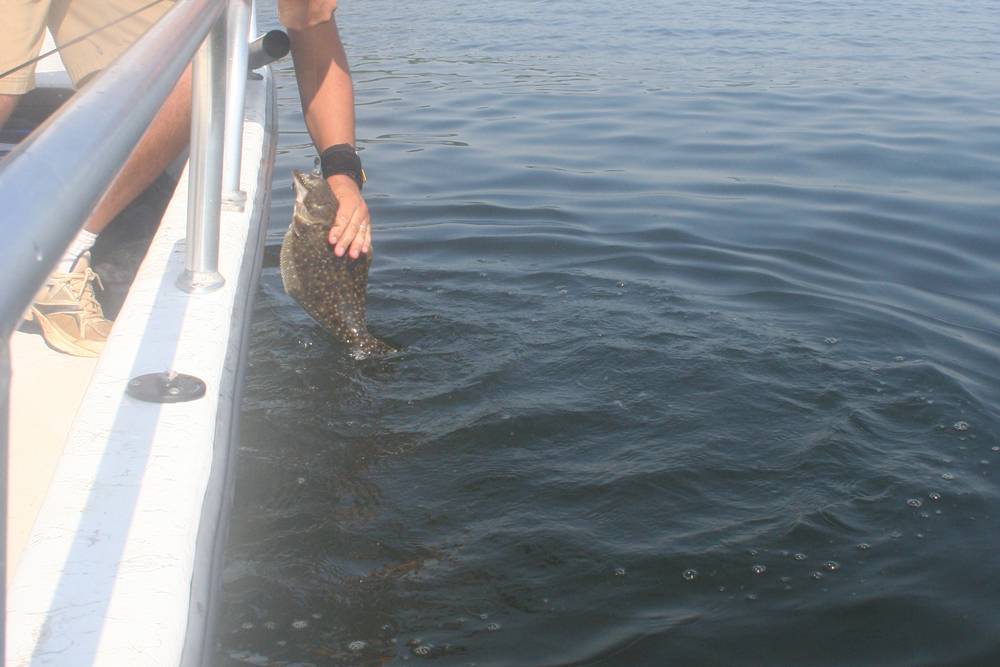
(53, 180)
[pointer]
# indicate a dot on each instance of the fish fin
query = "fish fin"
(289, 276)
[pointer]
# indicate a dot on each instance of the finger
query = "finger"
(362, 240)
(363, 227)
(360, 227)
(340, 224)
(351, 239)
(366, 246)
(344, 230)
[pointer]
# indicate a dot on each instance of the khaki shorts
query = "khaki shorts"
(23, 31)
(303, 14)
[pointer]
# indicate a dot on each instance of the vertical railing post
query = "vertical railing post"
(208, 116)
(238, 25)
(253, 21)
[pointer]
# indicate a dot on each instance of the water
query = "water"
(698, 304)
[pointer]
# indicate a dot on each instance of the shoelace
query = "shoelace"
(86, 298)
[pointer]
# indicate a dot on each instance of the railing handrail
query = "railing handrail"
(51, 183)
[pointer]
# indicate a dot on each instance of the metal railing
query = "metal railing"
(52, 182)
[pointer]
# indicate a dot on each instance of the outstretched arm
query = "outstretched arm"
(327, 94)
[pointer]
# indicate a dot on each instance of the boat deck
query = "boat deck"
(47, 388)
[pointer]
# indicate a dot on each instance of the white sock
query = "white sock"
(84, 242)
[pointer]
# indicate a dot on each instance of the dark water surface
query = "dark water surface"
(699, 309)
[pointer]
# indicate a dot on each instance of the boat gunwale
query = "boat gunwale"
(206, 581)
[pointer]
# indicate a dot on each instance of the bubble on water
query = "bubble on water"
(758, 569)
(961, 426)
(816, 575)
(406, 268)
(385, 627)
(786, 554)
(751, 597)
(722, 589)
(619, 571)
(935, 496)
(914, 502)
(300, 480)
(413, 642)
(801, 557)
(545, 600)
(281, 642)
(900, 358)
(483, 617)
(947, 475)
(753, 552)
(423, 650)
(562, 291)
(317, 615)
(785, 580)
(984, 462)
(271, 625)
(831, 341)
(689, 575)
(357, 645)
(864, 547)
(493, 627)
(925, 515)
(298, 625)
(831, 566)
(622, 284)
(482, 275)
(897, 535)
(247, 625)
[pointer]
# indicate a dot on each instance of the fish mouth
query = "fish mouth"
(300, 186)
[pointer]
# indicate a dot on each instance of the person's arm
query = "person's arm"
(327, 94)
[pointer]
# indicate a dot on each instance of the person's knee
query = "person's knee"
(304, 14)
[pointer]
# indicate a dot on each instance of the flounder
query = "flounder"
(331, 289)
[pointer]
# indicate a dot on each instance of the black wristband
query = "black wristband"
(342, 159)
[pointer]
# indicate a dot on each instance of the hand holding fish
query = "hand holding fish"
(351, 231)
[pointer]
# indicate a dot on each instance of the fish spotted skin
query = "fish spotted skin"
(331, 289)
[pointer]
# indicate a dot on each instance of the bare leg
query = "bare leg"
(7, 106)
(166, 137)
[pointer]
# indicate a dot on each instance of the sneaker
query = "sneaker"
(68, 312)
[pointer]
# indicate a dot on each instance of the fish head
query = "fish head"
(314, 200)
